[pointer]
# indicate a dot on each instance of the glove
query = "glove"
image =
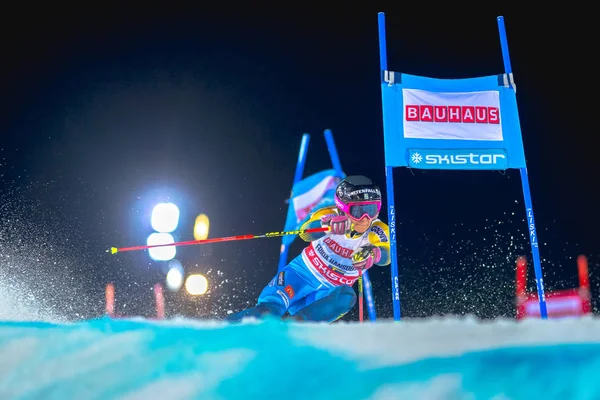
(338, 224)
(365, 257)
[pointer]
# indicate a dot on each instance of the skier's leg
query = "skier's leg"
(272, 301)
(325, 305)
(283, 291)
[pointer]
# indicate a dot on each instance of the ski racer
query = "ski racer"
(317, 284)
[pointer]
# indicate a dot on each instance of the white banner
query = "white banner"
(452, 116)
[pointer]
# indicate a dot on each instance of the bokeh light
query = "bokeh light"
(165, 217)
(201, 227)
(174, 279)
(164, 253)
(196, 284)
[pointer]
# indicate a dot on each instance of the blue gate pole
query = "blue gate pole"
(533, 240)
(389, 182)
(283, 255)
(337, 165)
(333, 154)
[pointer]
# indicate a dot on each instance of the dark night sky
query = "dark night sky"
(108, 110)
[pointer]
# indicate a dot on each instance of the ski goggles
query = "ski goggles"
(358, 210)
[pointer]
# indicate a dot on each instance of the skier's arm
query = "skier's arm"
(315, 222)
(379, 236)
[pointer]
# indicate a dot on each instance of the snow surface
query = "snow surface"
(436, 358)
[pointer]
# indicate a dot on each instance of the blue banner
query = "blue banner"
(470, 123)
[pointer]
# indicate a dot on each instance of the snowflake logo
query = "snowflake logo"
(416, 158)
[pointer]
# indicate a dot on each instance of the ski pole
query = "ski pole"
(360, 297)
(115, 250)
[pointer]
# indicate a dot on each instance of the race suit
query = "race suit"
(317, 284)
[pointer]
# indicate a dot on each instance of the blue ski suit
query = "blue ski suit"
(317, 284)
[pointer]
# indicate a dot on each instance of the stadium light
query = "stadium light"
(174, 279)
(196, 284)
(164, 253)
(165, 217)
(201, 227)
